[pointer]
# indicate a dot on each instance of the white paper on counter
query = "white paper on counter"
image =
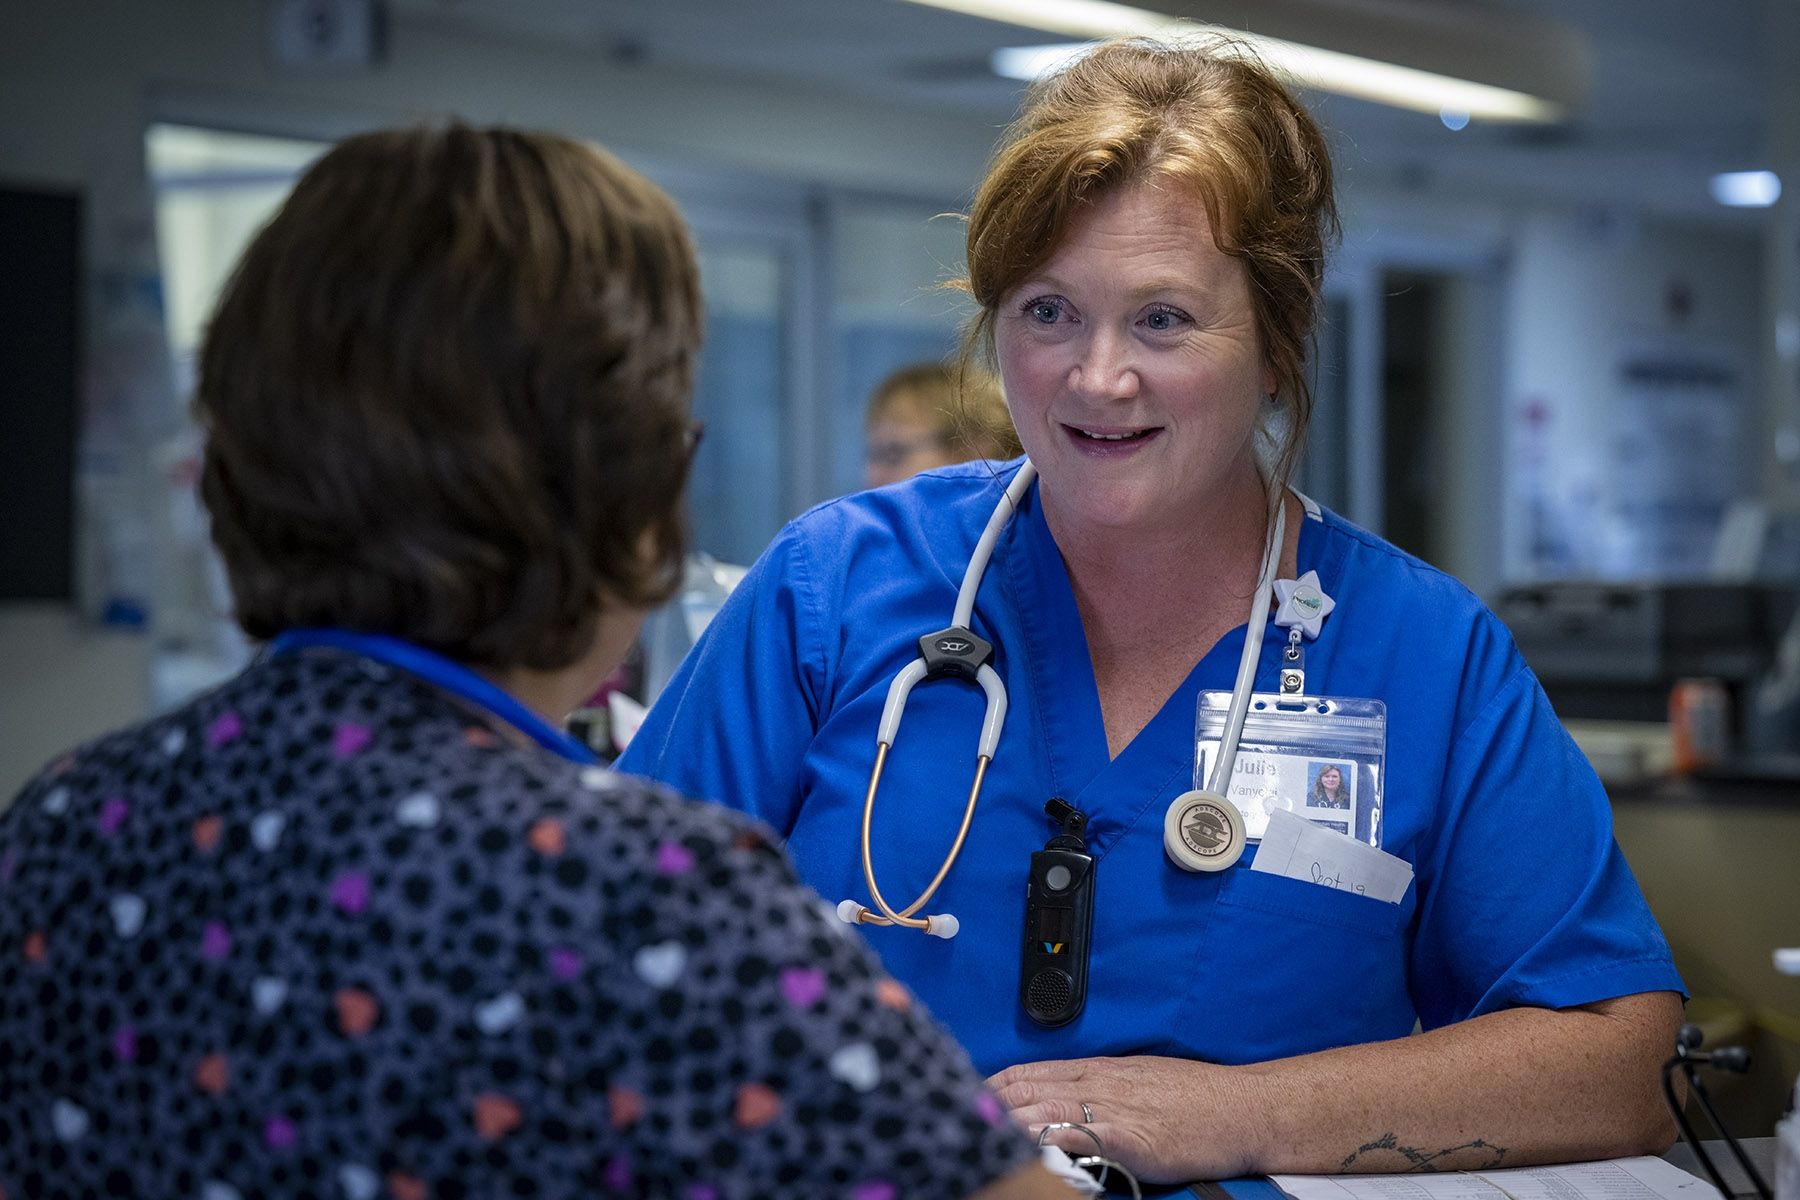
(1610, 1179)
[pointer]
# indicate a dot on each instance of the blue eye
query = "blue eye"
(1163, 319)
(1044, 310)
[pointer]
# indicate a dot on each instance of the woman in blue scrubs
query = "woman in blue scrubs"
(1147, 253)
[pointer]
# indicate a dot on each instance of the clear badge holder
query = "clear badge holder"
(1319, 757)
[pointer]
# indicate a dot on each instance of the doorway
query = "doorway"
(1439, 395)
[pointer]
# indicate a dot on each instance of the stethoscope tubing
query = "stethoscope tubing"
(992, 722)
(946, 925)
(1254, 632)
(984, 548)
(900, 690)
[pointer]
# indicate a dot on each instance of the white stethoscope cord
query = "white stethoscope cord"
(1202, 829)
(945, 925)
(940, 924)
(1254, 629)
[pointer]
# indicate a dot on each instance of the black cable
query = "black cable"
(1712, 1114)
(1687, 1130)
(1688, 1057)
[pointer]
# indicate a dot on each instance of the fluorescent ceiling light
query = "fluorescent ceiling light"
(1307, 66)
(1747, 189)
(1034, 62)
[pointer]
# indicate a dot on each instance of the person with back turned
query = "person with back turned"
(364, 921)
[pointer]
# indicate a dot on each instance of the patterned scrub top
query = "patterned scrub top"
(326, 932)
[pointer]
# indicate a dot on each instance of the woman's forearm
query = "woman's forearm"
(1521, 1086)
(1525, 1085)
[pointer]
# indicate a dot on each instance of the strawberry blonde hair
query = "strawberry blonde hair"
(1208, 117)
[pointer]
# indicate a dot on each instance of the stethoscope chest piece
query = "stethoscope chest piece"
(1203, 831)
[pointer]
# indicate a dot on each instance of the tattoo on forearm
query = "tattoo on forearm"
(1388, 1155)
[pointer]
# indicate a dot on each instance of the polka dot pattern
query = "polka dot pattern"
(323, 933)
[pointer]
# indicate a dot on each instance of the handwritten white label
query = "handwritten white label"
(1297, 848)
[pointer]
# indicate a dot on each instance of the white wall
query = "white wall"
(892, 260)
(1550, 298)
(1586, 289)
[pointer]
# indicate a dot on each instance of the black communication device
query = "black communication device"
(1059, 922)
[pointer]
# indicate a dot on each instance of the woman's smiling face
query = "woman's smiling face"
(1133, 365)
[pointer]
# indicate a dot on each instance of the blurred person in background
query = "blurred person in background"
(932, 415)
(364, 921)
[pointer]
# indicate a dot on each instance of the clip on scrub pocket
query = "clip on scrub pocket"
(1319, 757)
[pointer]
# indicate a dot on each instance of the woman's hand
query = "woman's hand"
(1166, 1120)
(1514, 1087)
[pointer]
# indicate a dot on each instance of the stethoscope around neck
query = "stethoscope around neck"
(957, 652)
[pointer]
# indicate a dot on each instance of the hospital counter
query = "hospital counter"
(1719, 860)
(1760, 1150)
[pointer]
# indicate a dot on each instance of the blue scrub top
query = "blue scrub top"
(1521, 896)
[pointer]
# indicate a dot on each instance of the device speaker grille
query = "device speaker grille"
(1050, 991)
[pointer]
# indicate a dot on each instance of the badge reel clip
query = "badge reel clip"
(1304, 607)
(1059, 922)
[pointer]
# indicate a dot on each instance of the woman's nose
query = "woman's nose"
(1104, 370)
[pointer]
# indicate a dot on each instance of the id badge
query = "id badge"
(1322, 758)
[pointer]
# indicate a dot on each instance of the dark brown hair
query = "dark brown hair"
(963, 405)
(445, 396)
(1207, 116)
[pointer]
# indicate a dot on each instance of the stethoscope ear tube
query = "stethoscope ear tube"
(941, 925)
(996, 711)
(937, 924)
(894, 708)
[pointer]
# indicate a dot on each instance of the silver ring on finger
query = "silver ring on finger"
(1087, 1114)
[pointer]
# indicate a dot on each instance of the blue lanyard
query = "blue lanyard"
(441, 672)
